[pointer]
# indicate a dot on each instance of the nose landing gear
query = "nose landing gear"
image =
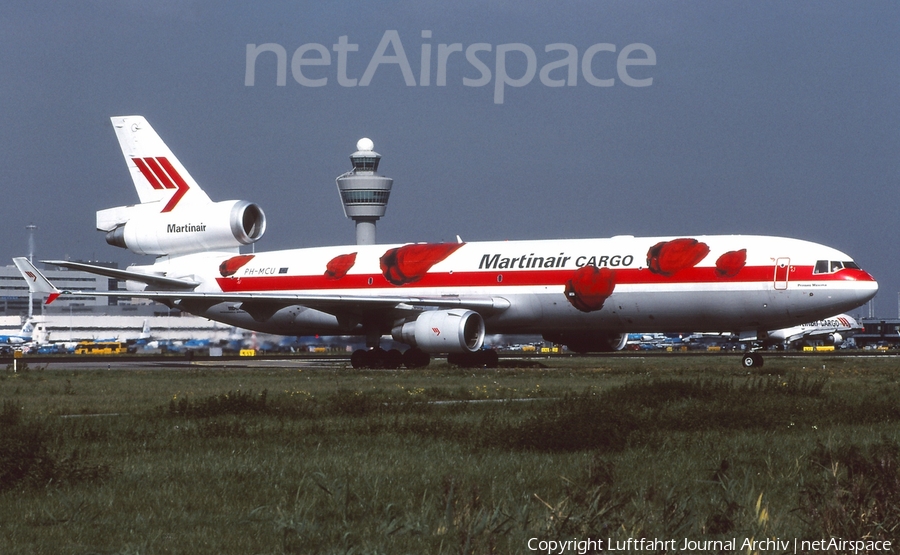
(752, 360)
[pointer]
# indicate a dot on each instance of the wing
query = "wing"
(818, 332)
(157, 281)
(259, 305)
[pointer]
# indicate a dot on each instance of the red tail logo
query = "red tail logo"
(162, 175)
(31, 275)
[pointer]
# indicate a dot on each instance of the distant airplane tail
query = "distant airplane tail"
(158, 175)
(849, 321)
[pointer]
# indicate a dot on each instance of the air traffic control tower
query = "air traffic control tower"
(364, 193)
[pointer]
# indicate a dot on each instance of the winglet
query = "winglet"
(37, 283)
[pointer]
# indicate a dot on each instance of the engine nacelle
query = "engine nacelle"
(216, 226)
(835, 339)
(590, 343)
(443, 331)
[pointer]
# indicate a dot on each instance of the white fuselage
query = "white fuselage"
(620, 284)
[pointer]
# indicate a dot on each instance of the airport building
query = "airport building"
(14, 294)
(95, 317)
(878, 332)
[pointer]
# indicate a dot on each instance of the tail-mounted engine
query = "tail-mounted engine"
(443, 331)
(222, 225)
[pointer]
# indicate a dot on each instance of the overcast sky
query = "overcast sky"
(776, 118)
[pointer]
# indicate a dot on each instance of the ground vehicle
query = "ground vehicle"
(101, 348)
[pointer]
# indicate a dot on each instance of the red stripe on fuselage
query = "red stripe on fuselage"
(623, 276)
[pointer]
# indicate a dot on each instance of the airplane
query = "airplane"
(831, 330)
(195, 344)
(32, 336)
(636, 341)
(147, 342)
(442, 298)
(25, 336)
(145, 334)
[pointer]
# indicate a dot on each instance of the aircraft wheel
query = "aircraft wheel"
(416, 358)
(752, 360)
(359, 359)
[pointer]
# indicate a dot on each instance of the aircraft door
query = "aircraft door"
(782, 273)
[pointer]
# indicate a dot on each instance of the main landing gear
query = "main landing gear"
(753, 359)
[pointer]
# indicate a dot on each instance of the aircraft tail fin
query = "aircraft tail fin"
(159, 177)
(37, 283)
(175, 216)
(849, 321)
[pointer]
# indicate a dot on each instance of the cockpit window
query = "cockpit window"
(831, 266)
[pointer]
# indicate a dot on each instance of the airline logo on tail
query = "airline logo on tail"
(162, 175)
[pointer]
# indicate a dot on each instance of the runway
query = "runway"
(340, 362)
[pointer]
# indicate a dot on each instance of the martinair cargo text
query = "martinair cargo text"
(442, 298)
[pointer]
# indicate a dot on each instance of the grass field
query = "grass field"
(211, 460)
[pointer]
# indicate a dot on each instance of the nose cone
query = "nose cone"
(861, 283)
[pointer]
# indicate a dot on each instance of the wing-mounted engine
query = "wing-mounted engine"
(144, 229)
(443, 331)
